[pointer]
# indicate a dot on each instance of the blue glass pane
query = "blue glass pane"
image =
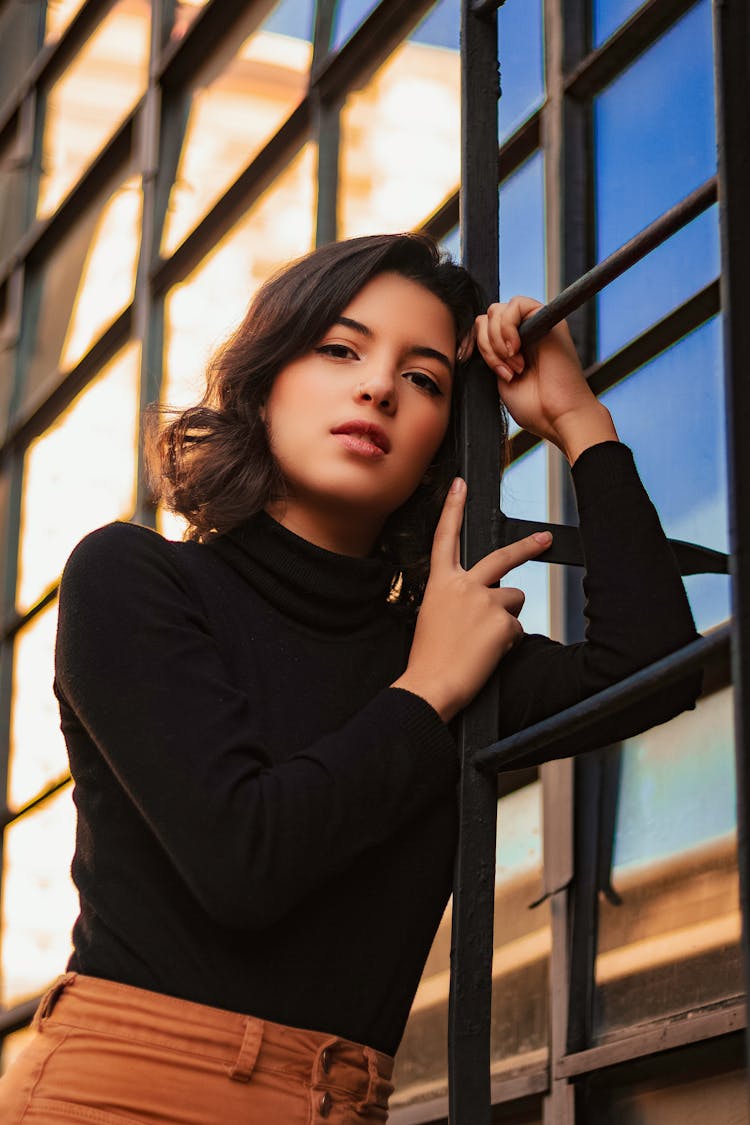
(440, 27)
(659, 283)
(452, 244)
(609, 15)
(665, 782)
(654, 128)
(292, 17)
(522, 262)
(524, 495)
(349, 15)
(520, 51)
(671, 413)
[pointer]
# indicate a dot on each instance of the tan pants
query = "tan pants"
(111, 1054)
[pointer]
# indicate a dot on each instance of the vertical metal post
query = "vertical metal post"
(474, 888)
(732, 64)
(327, 128)
(565, 139)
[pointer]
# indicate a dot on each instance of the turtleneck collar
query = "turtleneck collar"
(307, 583)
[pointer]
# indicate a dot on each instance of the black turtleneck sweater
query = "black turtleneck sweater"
(265, 825)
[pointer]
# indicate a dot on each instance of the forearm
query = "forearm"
(582, 428)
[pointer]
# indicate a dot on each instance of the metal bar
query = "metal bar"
(586, 286)
(7, 816)
(13, 1019)
(513, 751)
(525, 1089)
(651, 1039)
(732, 57)
(212, 26)
(470, 1000)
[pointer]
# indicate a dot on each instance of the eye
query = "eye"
(424, 381)
(337, 351)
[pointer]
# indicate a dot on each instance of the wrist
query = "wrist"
(430, 692)
(581, 429)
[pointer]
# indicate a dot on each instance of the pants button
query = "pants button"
(326, 1104)
(326, 1059)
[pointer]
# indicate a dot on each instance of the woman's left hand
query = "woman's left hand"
(546, 391)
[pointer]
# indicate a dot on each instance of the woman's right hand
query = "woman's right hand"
(466, 624)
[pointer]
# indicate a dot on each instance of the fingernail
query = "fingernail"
(543, 536)
(457, 484)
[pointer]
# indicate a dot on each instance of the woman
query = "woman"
(258, 718)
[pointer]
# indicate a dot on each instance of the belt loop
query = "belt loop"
(50, 998)
(252, 1038)
(370, 1098)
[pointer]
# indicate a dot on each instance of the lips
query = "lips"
(368, 430)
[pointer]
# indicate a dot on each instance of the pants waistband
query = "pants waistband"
(241, 1042)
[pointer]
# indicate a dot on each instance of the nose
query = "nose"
(380, 389)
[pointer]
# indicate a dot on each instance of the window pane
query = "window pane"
(349, 14)
(13, 180)
(673, 943)
(519, 965)
(400, 134)
(646, 162)
(524, 496)
(611, 14)
(235, 109)
(521, 211)
(185, 12)
(93, 96)
(79, 474)
(521, 53)
(58, 14)
(40, 903)
(671, 413)
(37, 748)
(691, 1099)
(659, 283)
(84, 285)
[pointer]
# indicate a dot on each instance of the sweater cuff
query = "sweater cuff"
(602, 468)
(433, 742)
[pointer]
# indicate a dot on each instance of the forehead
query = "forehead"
(391, 303)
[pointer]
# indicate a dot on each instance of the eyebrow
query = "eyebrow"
(416, 349)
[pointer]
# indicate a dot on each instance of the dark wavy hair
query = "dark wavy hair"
(212, 463)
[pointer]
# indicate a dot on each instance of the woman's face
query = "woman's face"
(355, 422)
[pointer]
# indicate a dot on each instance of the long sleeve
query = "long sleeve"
(636, 612)
(139, 671)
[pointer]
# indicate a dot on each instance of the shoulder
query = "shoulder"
(120, 555)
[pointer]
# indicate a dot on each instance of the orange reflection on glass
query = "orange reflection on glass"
(39, 902)
(79, 474)
(522, 942)
(233, 112)
(92, 97)
(185, 13)
(400, 141)
(58, 14)
(37, 747)
(203, 310)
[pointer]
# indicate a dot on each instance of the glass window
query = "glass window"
(519, 965)
(524, 496)
(692, 1098)
(349, 14)
(673, 943)
(646, 162)
(13, 180)
(185, 12)
(209, 304)
(79, 474)
(671, 413)
(522, 238)
(659, 283)
(39, 901)
(4, 497)
(37, 747)
(92, 97)
(520, 49)
(235, 109)
(611, 14)
(400, 133)
(84, 285)
(58, 14)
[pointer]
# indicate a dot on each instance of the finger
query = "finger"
(517, 310)
(489, 352)
(511, 599)
(496, 565)
(446, 548)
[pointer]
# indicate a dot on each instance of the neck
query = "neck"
(345, 533)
